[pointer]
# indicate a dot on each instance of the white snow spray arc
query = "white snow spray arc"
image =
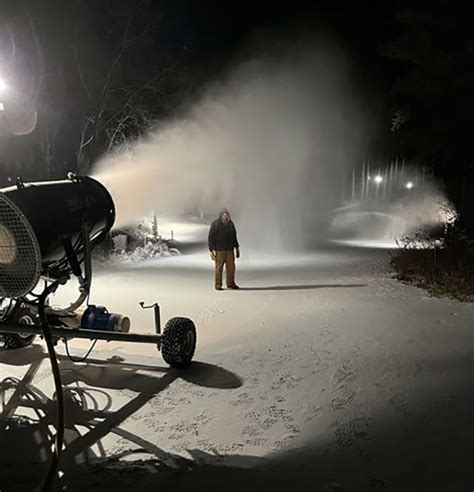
(271, 142)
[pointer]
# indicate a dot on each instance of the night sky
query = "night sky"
(218, 31)
(215, 35)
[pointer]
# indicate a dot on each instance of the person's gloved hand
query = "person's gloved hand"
(213, 255)
(237, 253)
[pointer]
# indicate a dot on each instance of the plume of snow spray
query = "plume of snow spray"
(271, 142)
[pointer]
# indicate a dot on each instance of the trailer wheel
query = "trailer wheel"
(22, 316)
(178, 342)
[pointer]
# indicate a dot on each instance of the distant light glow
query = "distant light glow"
(378, 179)
(3, 85)
(409, 185)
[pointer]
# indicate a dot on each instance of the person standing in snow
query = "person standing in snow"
(222, 243)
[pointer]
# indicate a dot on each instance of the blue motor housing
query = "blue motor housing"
(99, 318)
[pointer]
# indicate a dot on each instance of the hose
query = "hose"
(59, 439)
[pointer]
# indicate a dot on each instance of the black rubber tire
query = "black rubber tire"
(22, 316)
(178, 342)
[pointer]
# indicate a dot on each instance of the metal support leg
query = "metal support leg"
(157, 313)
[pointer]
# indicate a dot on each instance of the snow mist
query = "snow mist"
(271, 142)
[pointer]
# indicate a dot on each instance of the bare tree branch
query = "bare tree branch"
(78, 64)
(123, 46)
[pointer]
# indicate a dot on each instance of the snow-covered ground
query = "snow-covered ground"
(321, 373)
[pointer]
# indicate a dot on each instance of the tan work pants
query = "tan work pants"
(225, 258)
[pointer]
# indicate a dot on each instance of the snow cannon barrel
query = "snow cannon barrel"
(39, 222)
(98, 318)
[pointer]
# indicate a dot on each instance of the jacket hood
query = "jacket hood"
(224, 211)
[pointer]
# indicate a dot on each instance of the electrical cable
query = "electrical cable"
(81, 359)
(59, 439)
(53, 469)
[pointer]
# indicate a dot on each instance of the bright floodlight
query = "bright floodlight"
(409, 185)
(378, 179)
(3, 85)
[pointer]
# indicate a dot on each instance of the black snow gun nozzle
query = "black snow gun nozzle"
(48, 229)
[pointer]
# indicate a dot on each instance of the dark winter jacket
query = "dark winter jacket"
(222, 237)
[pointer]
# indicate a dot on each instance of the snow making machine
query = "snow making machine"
(47, 233)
